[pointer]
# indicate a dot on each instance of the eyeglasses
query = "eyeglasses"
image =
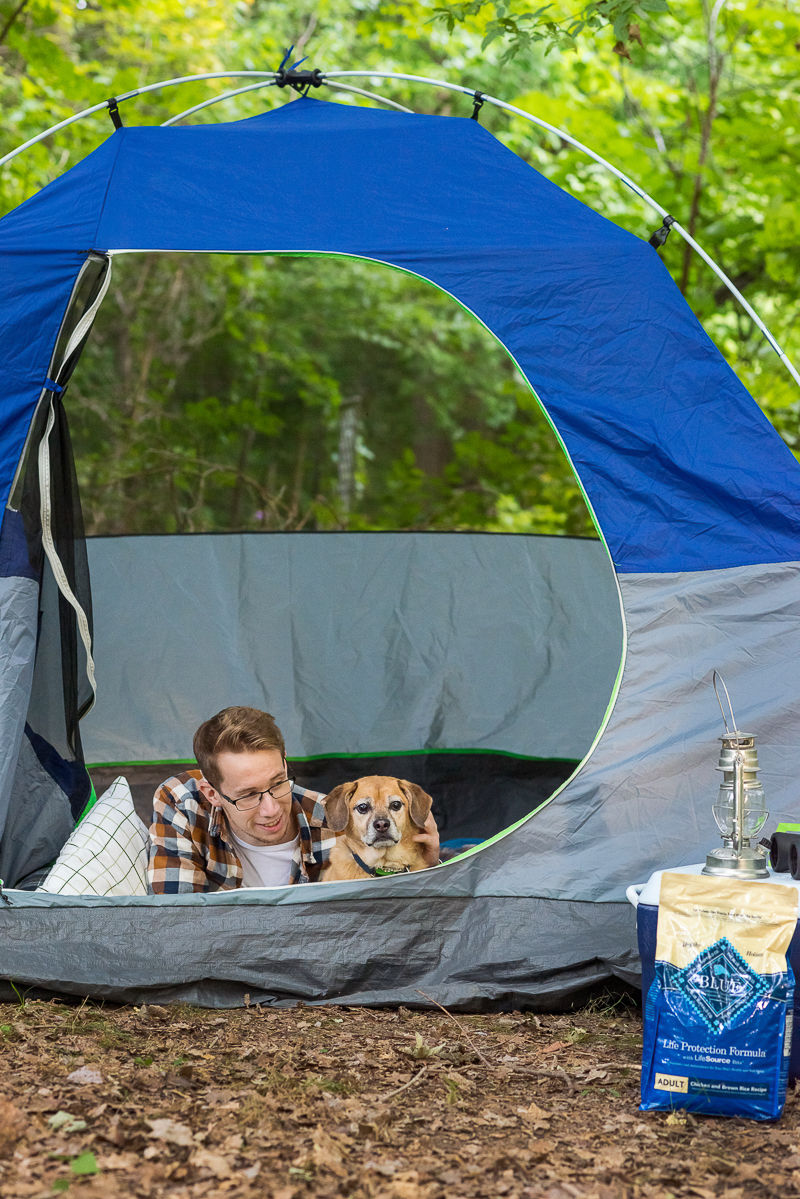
(278, 791)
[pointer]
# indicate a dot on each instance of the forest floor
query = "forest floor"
(313, 1102)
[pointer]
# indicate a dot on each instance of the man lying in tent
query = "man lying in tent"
(241, 820)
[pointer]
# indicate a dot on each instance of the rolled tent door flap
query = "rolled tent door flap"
(45, 786)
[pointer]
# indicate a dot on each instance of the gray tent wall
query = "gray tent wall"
(530, 918)
(358, 643)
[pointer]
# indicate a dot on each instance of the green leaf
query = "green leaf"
(85, 1164)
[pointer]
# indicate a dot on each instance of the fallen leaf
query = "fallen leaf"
(406, 1186)
(555, 1046)
(219, 1166)
(215, 1095)
(85, 1076)
(385, 1167)
(535, 1115)
(85, 1163)
(117, 1161)
(541, 1149)
(152, 1011)
(66, 1122)
(612, 1158)
(171, 1131)
(12, 1126)
(577, 1035)
(44, 1104)
(498, 1121)
(327, 1153)
(676, 1118)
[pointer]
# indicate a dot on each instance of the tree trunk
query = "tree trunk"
(715, 66)
(348, 430)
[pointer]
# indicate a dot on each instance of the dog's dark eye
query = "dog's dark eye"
(362, 807)
(395, 805)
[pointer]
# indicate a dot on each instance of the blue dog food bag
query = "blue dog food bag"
(718, 1016)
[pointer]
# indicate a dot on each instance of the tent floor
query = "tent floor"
(475, 794)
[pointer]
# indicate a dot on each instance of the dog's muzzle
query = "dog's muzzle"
(381, 832)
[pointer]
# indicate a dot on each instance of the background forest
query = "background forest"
(275, 393)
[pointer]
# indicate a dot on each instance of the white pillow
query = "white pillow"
(107, 853)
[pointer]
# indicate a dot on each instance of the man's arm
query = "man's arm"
(177, 865)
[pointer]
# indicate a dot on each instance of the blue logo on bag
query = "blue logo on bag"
(719, 984)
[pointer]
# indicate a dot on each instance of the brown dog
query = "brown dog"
(377, 818)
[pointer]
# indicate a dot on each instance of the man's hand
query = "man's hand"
(429, 840)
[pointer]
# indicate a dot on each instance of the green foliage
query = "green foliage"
(287, 393)
(273, 393)
(556, 29)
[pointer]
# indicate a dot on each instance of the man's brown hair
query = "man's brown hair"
(234, 731)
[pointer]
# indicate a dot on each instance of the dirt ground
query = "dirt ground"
(310, 1101)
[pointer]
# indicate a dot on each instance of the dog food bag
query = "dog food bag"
(718, 1017)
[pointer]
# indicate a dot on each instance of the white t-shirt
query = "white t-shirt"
(266, 865)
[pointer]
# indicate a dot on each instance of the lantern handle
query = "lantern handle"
(714, 678)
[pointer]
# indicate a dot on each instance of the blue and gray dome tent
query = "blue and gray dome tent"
(501, 652)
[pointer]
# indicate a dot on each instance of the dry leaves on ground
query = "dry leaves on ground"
(318, 1102)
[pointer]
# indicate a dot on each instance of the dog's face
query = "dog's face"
(377, 811)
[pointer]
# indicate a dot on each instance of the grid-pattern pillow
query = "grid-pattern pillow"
(107, 853)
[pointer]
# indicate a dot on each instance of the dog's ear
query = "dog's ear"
(419, 802)
(337, 814)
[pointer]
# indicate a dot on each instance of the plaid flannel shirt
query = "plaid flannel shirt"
(191, 848)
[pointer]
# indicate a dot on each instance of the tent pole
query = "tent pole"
(332, 76)
(139, 91)
(344, 87)
(456, 87)
(251, 87)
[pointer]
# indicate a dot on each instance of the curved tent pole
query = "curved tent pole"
(251, 87)
(344, 87)
(333, 76)
(139, 91)
(643, 195)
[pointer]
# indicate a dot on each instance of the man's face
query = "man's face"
(244, 775)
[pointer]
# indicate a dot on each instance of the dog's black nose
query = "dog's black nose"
(381, 824)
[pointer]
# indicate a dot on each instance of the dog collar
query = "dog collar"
(378, 871)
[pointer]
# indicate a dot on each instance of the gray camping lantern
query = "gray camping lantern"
(740, 810)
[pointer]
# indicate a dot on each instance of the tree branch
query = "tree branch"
(23, 4)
